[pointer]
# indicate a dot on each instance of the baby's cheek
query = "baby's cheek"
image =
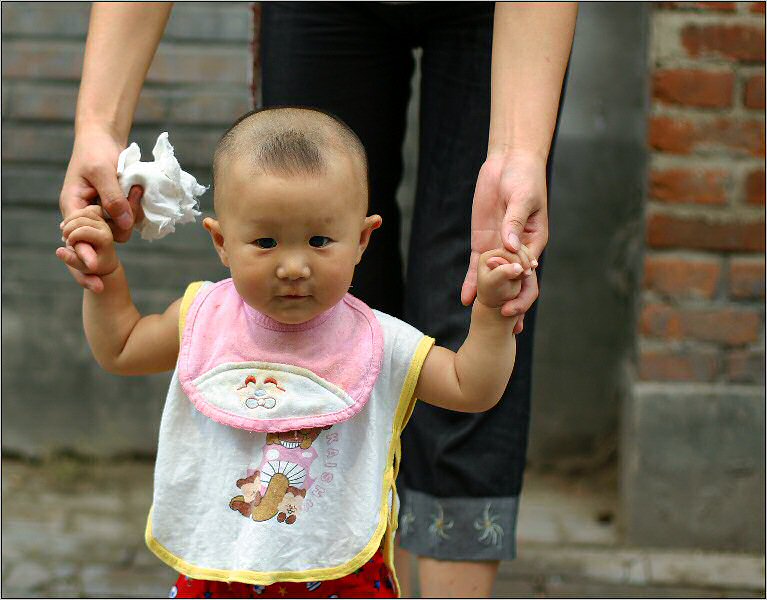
(337, 277)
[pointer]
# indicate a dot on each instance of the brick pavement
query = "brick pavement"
(75, 529)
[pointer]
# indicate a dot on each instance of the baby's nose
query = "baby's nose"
(293, 269)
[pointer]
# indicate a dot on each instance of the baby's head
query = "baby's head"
(291, 198)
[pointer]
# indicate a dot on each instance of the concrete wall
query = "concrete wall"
(54, 395)
(693, 444)
(585, 322)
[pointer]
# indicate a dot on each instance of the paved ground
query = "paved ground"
(72, 529)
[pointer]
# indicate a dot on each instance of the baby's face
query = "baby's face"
(291, 243)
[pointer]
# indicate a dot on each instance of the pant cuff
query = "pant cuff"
(470, 529)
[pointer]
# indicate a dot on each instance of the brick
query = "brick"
(205, 23)
(215, 22)
(676, 277)
(59, 60)
(689, 186)
(676, 136)
(678, 365)
(206, 66)
(683, 136)
(671, 231)
(753, 92)
(36, 268)
(727, 326)
(745, 366)
(210, 107)
(52, 144)
(755, 185)
(36, 19)
(15, 188)
(739, 42)
(40, 102)
(41, 144)
(747, 278)
(43, 102)
(62, 61)
(732, 134)
(38, 228)
(691, 87)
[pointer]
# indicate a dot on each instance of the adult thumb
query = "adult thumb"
(113, 200)
(513, 225)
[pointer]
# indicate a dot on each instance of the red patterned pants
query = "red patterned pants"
(371, 580)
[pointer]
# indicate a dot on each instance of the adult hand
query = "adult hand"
(92, 178)
(509, 209)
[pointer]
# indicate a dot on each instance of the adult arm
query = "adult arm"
(531, 48)
(122, 40)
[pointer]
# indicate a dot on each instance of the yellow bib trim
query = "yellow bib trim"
(405, 408)
(186, 302)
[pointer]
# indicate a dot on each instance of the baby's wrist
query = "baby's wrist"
(487, 309)
(110, 271)
(493, 317)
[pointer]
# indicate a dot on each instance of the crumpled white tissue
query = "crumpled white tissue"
(170, 194)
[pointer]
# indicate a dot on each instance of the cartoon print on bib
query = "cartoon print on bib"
(254, 394)
(278, 487)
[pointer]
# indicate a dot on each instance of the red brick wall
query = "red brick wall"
(702, 316)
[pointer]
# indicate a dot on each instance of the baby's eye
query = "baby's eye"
(319, 241)
(265, 243)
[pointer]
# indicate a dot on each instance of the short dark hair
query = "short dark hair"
(289, 140)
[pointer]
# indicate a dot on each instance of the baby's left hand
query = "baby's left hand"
(499, 276)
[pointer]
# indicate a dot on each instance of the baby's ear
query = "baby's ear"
(369, 224)
(214, 229)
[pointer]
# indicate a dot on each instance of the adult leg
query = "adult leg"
(347, 59)
(461, 473)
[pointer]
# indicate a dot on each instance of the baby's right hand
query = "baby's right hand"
(500, 274)
(88, 225)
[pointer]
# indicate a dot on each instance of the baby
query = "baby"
(279, 442)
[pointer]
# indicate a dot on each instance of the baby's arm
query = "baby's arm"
(122, 341)
(473, 379)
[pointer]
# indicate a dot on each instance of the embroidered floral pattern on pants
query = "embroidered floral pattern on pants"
(491, 532)
(439, 526)
(406, 521)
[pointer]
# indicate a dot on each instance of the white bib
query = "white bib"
(232, 504)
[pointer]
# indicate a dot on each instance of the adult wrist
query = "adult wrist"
(505, 151)
(85, 125)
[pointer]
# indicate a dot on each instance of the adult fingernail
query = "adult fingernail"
(529, 272)
(124, 220)
(514, 241)
(516, 269)
(61, 225)
(534, 263)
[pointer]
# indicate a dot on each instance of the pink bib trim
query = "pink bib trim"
(244, 369)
